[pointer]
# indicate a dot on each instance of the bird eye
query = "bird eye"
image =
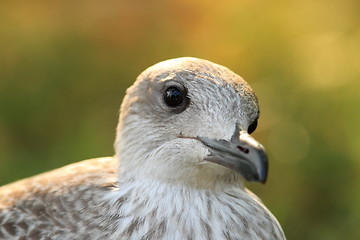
(174, 97)
(252, 127)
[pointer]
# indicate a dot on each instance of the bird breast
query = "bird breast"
(175, 212)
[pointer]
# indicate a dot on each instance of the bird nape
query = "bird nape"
(183, 151)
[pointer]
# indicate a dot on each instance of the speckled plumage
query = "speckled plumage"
(165, 187)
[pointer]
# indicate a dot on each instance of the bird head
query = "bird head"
(188, 121)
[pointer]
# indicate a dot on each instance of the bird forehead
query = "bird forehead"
(209, 86)
(189, 68)
(196, 73)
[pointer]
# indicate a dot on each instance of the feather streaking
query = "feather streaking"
(178, 171)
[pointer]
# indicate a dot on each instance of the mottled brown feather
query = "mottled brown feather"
(55, 203)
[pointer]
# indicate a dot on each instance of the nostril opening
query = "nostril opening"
(244, 150)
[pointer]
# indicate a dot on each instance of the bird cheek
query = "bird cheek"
(202, 154)
(210, 129)
(194, 150)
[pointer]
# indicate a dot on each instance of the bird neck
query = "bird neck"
(136, 192)
(195, 179)
(169, 210)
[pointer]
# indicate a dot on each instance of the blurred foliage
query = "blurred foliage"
(65, 66)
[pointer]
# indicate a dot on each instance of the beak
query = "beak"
(242, 153)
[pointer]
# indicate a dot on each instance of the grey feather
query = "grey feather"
(160, 184)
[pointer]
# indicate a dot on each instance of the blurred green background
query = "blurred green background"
(65, 65)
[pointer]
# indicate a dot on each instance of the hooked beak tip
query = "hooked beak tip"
(242, 153)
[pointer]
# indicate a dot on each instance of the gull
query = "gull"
(183, 152)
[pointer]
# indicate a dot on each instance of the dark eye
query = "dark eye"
(174, 97)
(252, 127)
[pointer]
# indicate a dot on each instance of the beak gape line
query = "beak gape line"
(242, 154)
